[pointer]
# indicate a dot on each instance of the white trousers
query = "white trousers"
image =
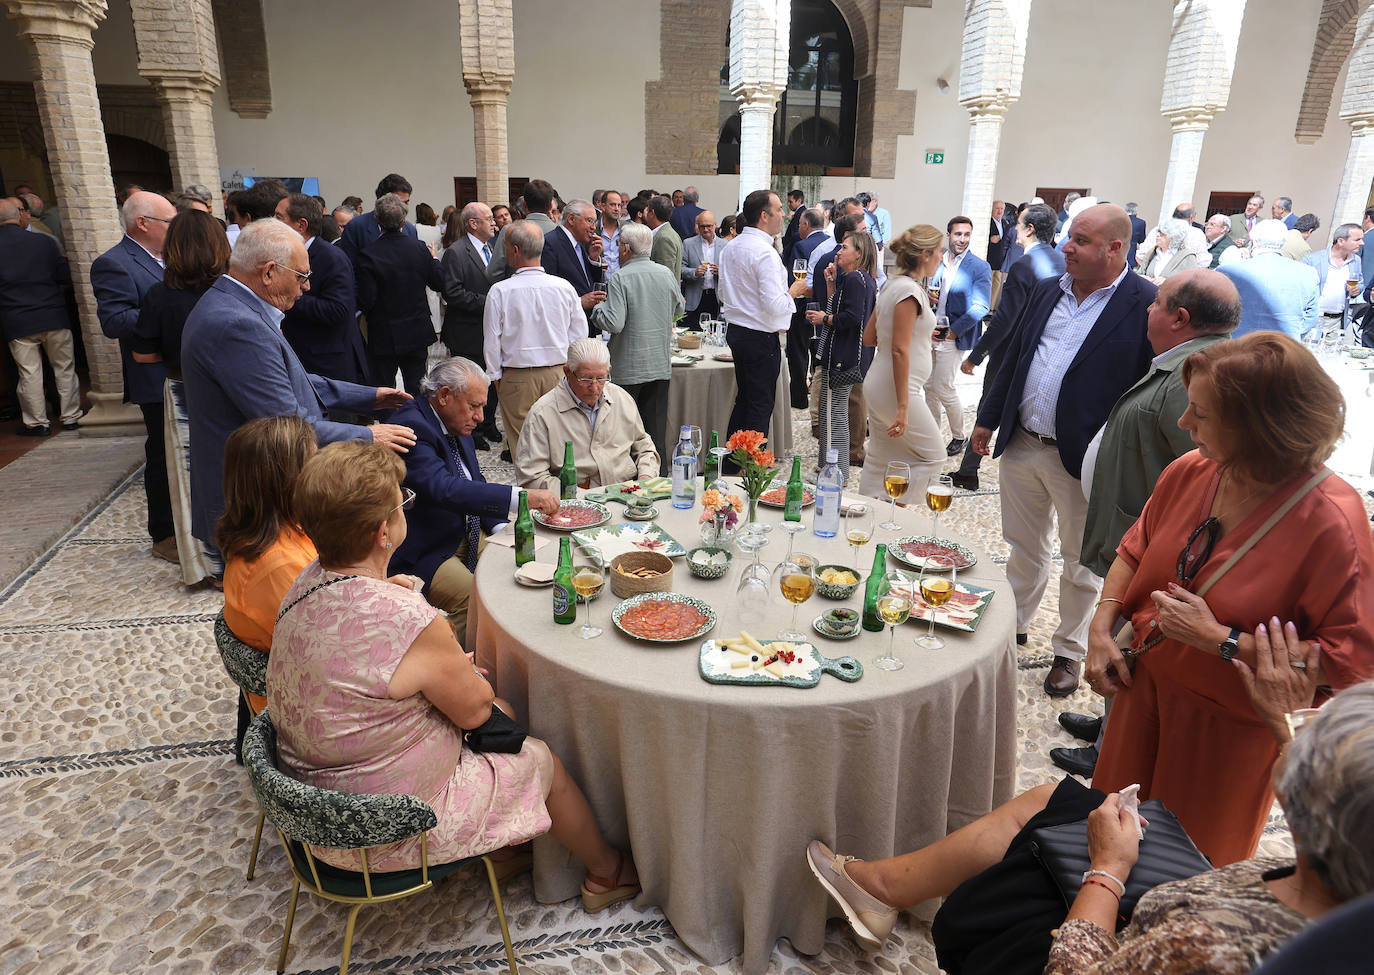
(28, 357)
(1036, 487)
(945, 359)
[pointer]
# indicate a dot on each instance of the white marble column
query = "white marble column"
(1357, 108)
(759, 38)
(487, 35)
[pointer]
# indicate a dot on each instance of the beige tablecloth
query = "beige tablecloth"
(717, 789)
(704, 394)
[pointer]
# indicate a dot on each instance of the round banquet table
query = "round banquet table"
(703, 395)
(718, 788)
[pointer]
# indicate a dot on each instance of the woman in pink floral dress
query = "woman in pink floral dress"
(370, 692)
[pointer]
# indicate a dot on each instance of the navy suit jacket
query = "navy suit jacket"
(393, 275)
(120, 278)
(322, 326)
(970, 298)
(362, 230)
(560, 259)
(465, 291)
(34, 279)
(791, 235)
(1041, 263)
(1138, 231)
(1113, 356)
(683, 219)
(236, 367)
(437, 522)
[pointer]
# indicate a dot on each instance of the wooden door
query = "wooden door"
(1054, 195)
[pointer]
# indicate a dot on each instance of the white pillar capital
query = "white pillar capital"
(72, 20)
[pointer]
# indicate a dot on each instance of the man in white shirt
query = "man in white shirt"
(758, 306)
(530, 320)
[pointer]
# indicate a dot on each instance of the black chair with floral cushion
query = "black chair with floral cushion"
(247, 667)
(307, 816)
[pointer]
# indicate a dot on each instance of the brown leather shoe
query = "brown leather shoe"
(1062, 680)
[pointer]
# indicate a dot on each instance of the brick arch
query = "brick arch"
(144, 124)
(1330, 50)
(856, 14)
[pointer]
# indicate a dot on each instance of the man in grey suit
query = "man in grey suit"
(120, 277)
(464, 269)
(237, 366)
(539, 196)
(700, 270)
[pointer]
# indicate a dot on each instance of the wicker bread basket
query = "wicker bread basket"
(689, 340)
(625, 586)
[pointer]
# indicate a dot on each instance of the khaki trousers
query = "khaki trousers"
(1035, 486)
(451, 588)
(519, 390)
(940, 391)
(28, 357)
(998, 278)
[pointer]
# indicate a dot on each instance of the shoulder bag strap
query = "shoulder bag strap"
(313, 589)
(1263, 529)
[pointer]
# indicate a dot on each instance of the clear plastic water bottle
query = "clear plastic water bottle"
(829, 488)
(684, 470)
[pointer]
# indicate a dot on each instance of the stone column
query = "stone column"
(759, 38)
(990, 67)
(1197, 85)
(178, 56)
(1357, 108)
(58, 34)
(487, 36)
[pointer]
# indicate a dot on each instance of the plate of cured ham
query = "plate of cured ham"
(574, 515)
(663, 617)
(930, 553)
(963, 612)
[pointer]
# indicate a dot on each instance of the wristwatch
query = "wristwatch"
(1231, 645)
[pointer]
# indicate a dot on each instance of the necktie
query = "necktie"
(472, 522)
(486, 252)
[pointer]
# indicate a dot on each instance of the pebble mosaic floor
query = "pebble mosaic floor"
(125, 825)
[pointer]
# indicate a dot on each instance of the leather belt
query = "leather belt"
(1047, 441)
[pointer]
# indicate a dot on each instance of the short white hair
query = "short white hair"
(1175, 230)
(588, 352)
(1268, 235)
(580, 208)
(456, 373)
(637, 238)
(268, 239)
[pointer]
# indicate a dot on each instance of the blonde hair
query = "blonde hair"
(862, 241)
(343, 493)
(914, 245)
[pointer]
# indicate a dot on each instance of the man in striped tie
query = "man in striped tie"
(455, 507)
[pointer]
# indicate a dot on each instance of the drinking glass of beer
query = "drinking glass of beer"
(799, 269)
(588, 578)
(896, 479)
(939, 495)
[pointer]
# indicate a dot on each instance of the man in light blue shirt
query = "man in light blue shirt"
(881, 220)
(1276, 294)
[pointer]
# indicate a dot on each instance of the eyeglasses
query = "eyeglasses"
(589, 383)
(407, 501)
(303, 275)
(158, 219)
(1197, 550)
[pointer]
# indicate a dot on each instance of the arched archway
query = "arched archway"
(136, 161)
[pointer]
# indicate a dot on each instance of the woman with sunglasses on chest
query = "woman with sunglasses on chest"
(1247, 526)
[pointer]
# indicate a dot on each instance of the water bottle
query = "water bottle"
(829, 488)
(684, 470)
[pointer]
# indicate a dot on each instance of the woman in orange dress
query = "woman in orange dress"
(1265, 417)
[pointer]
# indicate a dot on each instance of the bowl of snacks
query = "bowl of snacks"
(708, 562)
(836, 581)
(640, 509)
(637, 572)
(839, 623)
(689, 340)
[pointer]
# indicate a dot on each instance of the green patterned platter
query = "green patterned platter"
(922, 552)
(577, 512)
(720, 665)
(625, 606)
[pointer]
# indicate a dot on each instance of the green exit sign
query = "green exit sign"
(935, 158)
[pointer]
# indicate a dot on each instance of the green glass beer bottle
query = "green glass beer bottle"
(877, 584)
(564, 595)
(796, 491)
(710, 468)
(524, 533)
(567, 477)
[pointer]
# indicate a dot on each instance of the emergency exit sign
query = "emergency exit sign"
(935, 158)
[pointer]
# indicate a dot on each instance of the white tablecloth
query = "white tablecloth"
(704, 394)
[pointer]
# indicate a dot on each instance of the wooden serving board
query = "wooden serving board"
(806, 671)
(627, 491)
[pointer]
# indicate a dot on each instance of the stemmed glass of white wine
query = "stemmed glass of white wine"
(896, 479)
(796, 580)
(939, 496)
(894, 609)
(935, 590)
(858, 531)
(588, 578)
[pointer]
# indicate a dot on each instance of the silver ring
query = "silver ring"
(1299, 664)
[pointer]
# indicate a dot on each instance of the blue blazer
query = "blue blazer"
(322, 325)
(442, 498)
(560, 259)
(1041, 263)
(683, 219)
(236, 367)
(34, 283)
(1113, 356)
(1138, 232)
(362, 230)
(393, 275)
(120, 278)
(970, 298)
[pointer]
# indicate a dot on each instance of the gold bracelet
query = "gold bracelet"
(1108, 599)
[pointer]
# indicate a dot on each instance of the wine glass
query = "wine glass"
(751, 592)
(704, 321)
(793, 528)
(753, 538)
(799, 269)
(588, 578)
(795, 578)
(939, 496)
(695, 435)
(896, 479)
(894, 609)
(720, 454)
(859, 532)
(935, 590)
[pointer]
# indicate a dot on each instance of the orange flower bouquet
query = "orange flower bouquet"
(756, 464)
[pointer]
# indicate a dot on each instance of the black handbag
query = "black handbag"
(499, 733)
(851, 375)
(1166, 853)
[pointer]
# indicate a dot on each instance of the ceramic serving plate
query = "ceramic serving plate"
(930, 553)
(721, 665)
(670, 636)
(573, 516)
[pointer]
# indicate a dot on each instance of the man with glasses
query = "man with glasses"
(596, 416)
(454, 507)
(120, 277)
(237, 366)
(572, 252)
(701, 270)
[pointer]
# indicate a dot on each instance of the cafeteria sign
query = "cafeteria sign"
(934, 158)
